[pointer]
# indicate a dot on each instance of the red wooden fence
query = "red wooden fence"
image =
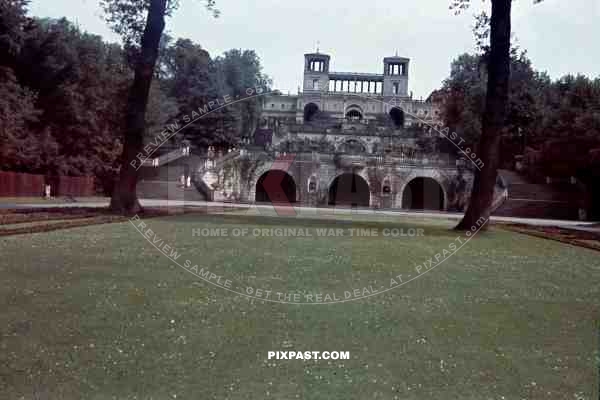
(15, 184)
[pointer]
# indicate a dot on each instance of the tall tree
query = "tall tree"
(463, 98)
(186, 76)
(494, 115)
(124, 199)
(79, 82)
(193, 79)
(17, 103)
(139, 22)
(20, 147)
(13, 23)
(236, 71)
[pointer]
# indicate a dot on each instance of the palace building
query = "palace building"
(353, 96)
(346, 139)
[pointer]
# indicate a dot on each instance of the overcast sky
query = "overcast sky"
(560, 36)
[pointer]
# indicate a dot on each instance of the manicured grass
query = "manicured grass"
(99, 313)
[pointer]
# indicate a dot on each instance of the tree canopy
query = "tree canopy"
(60, 108)
(63, 95)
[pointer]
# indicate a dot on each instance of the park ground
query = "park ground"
(97, 312)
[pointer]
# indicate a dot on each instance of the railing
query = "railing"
(223, 159)
(217, 163)
(368, 75)
(167, 158)
(279, 94)
(401, 159)
(420, 160)
(350, 92)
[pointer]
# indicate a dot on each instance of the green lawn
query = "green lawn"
(99, 313)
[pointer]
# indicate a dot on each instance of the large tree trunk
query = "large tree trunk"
(494, 118)
(124, 199)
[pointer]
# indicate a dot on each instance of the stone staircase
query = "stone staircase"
(204, 178)
(168, 190)
(165, 158)
(533, 200)
(156, 187)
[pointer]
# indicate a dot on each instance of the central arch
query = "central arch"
(349, 190)
(354, 115)
(280, 187)
(423, 194)
(397, 116)
(310, 110)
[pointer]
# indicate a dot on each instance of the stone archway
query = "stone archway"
(397, 116)
(310, 110)
(354, 115)
(423, 193)
(349, 190)
(280, 187)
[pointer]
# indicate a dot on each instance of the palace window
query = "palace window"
(386, 188)
(312, 184)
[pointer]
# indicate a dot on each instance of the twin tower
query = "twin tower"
(392, 83)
